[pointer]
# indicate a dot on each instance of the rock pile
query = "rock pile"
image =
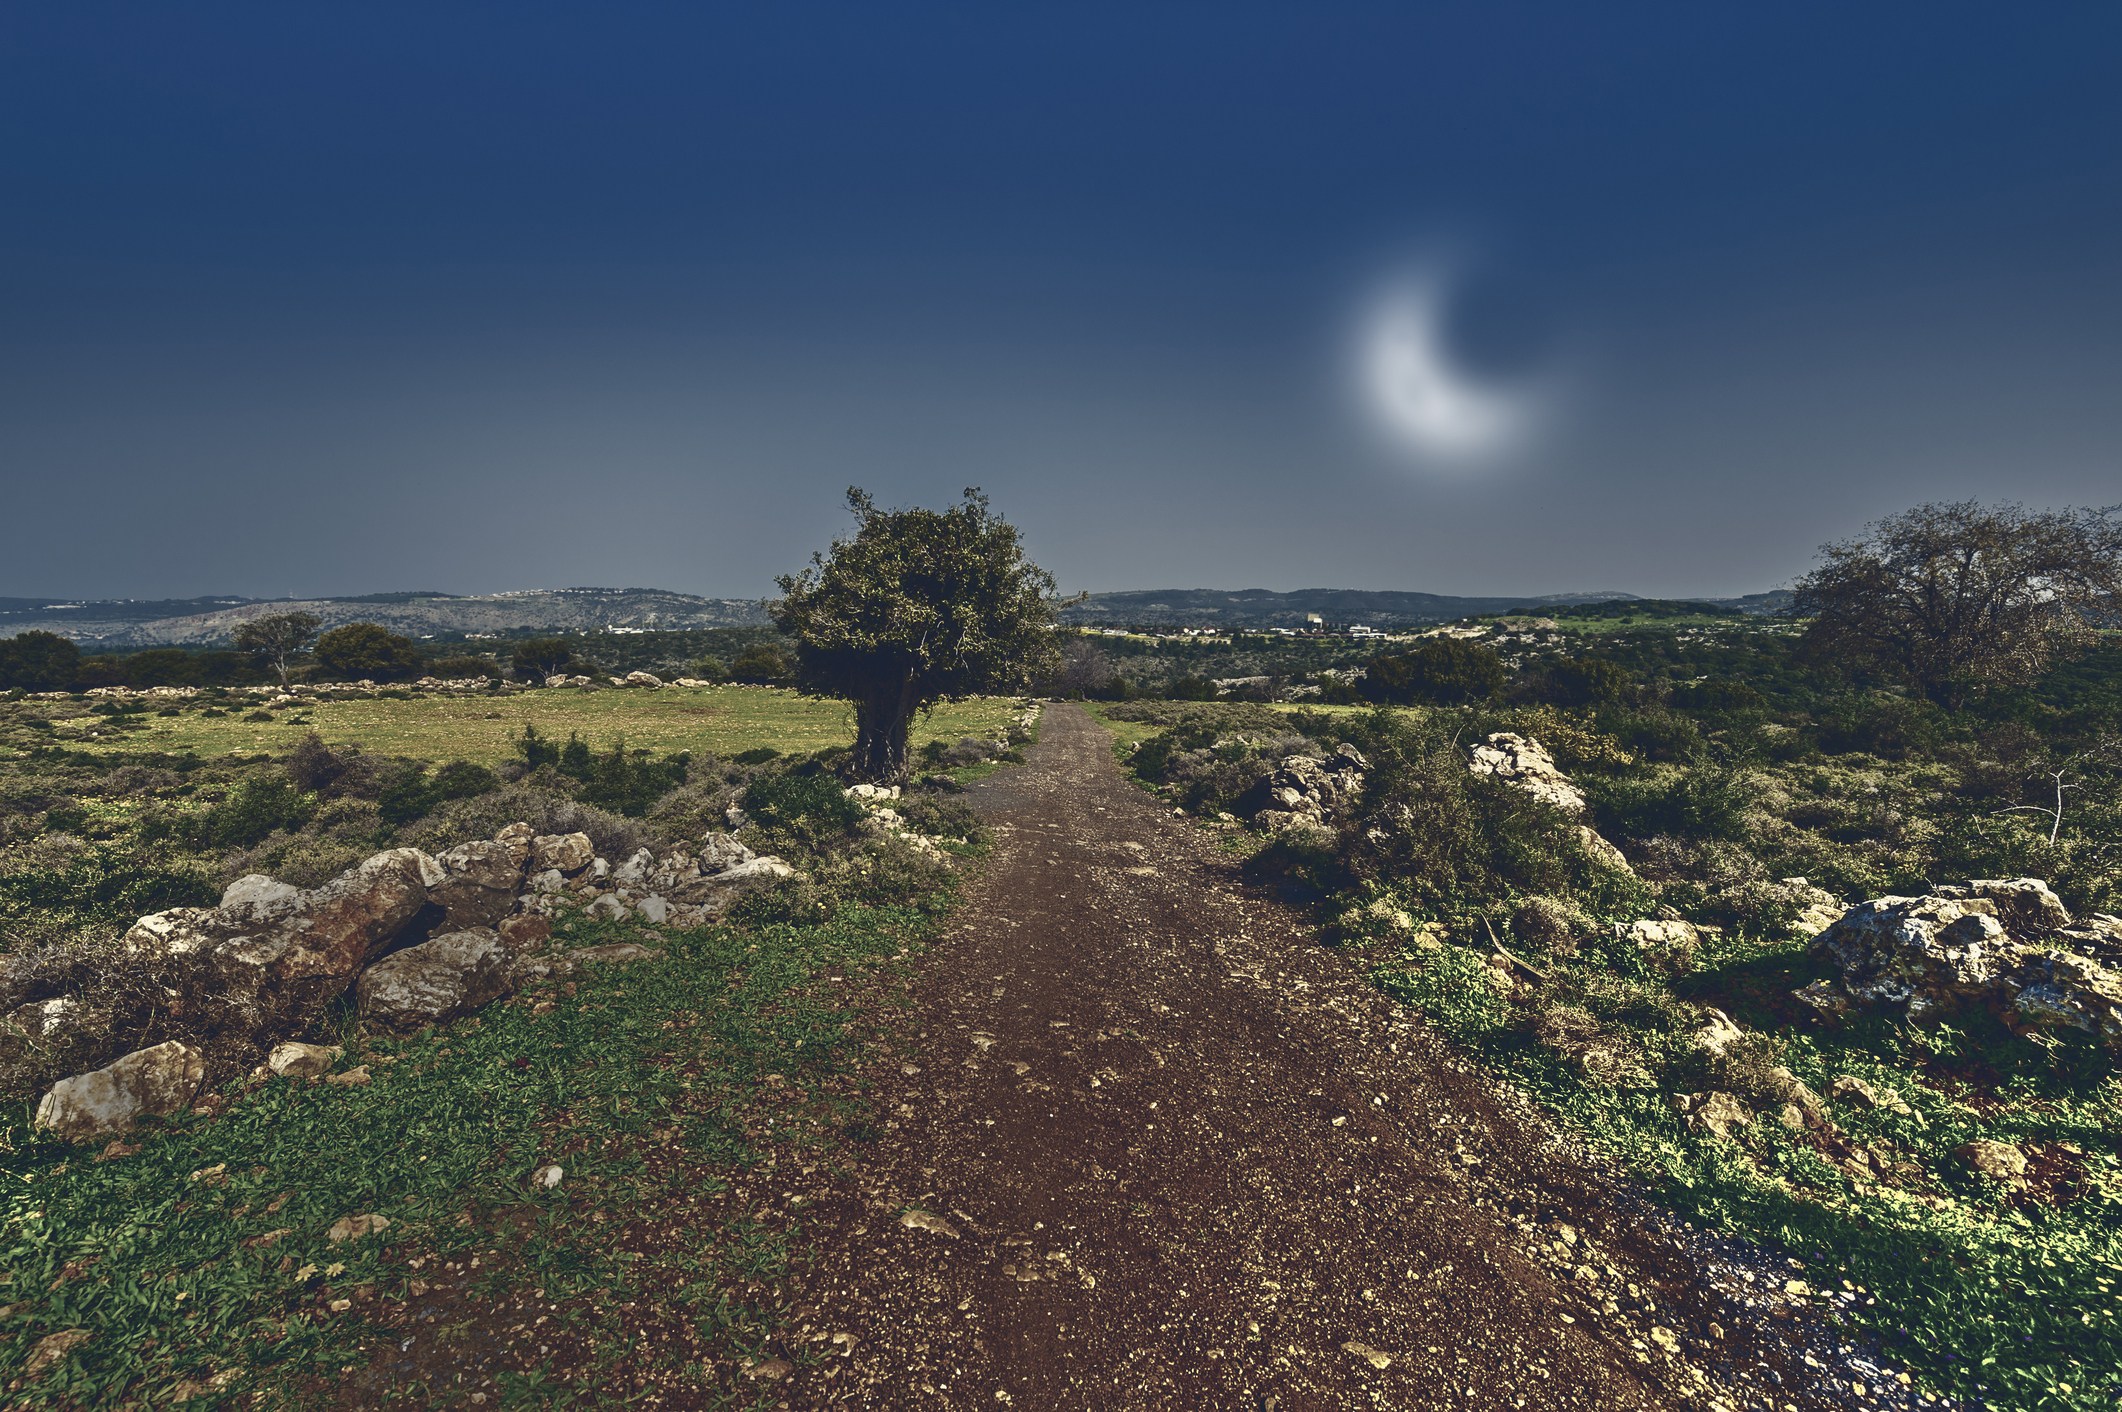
(1523, 763)
(2007, 946)
(1308, 796)
(418, 939)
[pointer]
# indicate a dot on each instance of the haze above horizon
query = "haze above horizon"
(302, 302)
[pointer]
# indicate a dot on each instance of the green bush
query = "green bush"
(364, 650)
(1588, 681)
(413, 793)
(762, 663)
(781, 801)
(108, 883)
(455, 668)
(258, 806)
(1717, 696)
(1705, 802)
(623, 781)
(1444, 670)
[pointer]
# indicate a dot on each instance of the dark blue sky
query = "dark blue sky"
(1507, 298)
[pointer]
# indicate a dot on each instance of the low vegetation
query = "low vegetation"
(1742, 796)
(195, 1258)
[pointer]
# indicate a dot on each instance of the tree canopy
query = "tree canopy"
(365, 650)
(1442, 669)
(921, 606)
(277, 638)
(38, 661)
(541, 657)
(1948, 597)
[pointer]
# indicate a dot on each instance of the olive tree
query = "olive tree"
(919, 607)
(1948, 597)
(277, 638)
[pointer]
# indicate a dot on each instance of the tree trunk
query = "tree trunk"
(883, 715)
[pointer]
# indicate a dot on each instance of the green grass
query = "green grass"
(726, 720)
(648, 1085)
(1987, 1291)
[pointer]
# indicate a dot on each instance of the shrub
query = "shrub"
(762, 663)
(413, 794)
(1458, 840)
(1717, 696)
(259, 805)
(782, 801)
(1705, 802)
(709, 669)
(1551, 924)
(163, 666)
(942, 818)
(1444, 670)
(628, 782)
(311, 766)
(1655, 734)
(1588, 681)
(453, 668)
(106, 883)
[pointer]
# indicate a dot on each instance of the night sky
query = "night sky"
(307, 299)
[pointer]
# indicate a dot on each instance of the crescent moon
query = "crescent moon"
(1421, 398)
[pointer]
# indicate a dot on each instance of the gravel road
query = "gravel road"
(1159, 1149)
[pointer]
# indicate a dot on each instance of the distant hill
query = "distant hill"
(126, 623)
(1258, 607)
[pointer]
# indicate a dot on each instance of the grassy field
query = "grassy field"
(725, 720)
(695, 1101)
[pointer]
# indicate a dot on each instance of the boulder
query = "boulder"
(526, 933)
(1304, 795)
(2007, 945)
(258, 890)
(257, 968)
(1716, 1113)
(562, 852)
(517, 839)
(1525, 764)
(641, 679)
(636, 869)
(1651, 934)
(146, 1083)
(1717, 1034)
(2024, 905)
(1851, 1089)
(482, 882)
(1821, 908)
(720, 850)
(2056, 987)
(1999, 1161)
(1922, 953)
(294, 1060)
(434, 982)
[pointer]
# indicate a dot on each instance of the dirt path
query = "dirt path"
(1178, 1156)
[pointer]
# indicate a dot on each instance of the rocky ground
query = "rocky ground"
(1153, 1147)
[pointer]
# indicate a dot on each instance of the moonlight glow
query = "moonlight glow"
(1424, 402)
